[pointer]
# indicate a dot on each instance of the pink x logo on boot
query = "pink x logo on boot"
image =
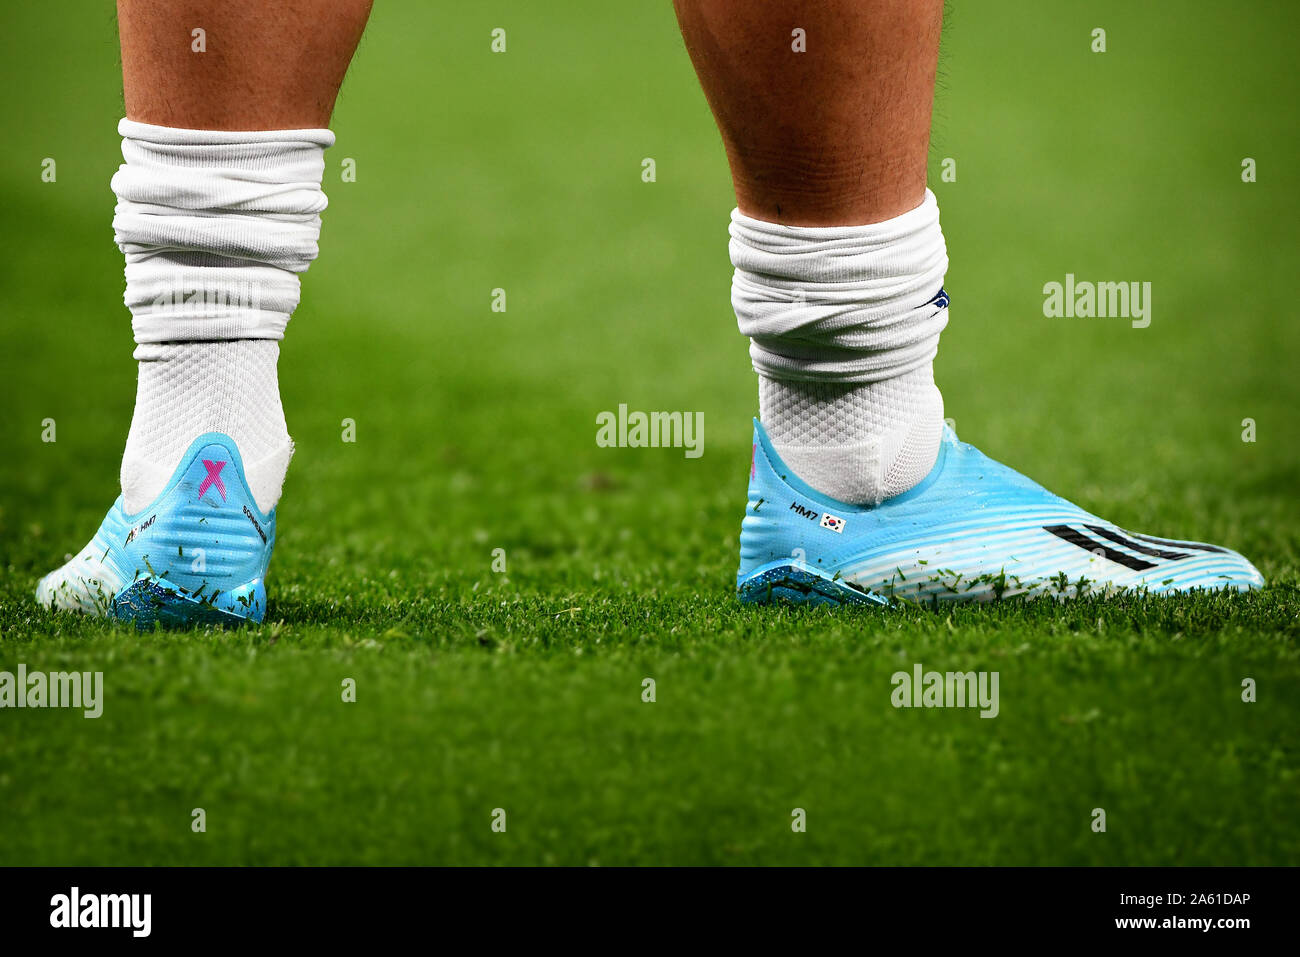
(213, 478)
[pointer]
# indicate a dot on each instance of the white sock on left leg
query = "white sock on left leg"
(185, 389)
(216, 228)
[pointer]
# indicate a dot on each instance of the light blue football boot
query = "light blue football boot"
(197, 555)
(972, 530)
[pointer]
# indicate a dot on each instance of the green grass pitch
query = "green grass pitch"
(475, 431)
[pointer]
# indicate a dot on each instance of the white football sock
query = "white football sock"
(216, 227)
(844, 325)
(187, 388)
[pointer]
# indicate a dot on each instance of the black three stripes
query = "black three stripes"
(1119, 539)
(1075, 537)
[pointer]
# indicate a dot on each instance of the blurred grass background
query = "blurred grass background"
(475, 431)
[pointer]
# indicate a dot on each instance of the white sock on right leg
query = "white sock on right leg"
(844, 325)
(844, 438)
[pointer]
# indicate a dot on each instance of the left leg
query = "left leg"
(218, 215)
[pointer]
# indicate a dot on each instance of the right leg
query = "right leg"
(856, 489)
(218, 214)
(838, 253)
(833, 136)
